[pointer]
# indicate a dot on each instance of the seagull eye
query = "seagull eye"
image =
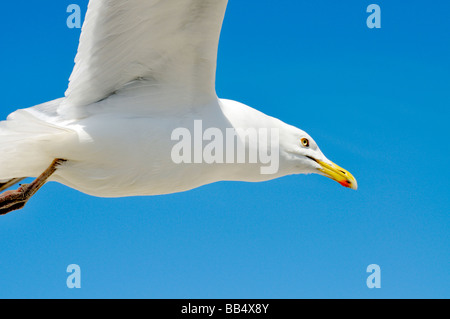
(305, 142)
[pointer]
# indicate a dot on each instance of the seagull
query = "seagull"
(143, 81)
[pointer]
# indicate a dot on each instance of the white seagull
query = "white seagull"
(144, 69)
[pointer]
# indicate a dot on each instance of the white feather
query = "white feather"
(169, 44)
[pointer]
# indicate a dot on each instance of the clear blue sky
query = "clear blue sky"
(376, 101)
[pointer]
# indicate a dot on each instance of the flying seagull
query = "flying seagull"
(143, 81)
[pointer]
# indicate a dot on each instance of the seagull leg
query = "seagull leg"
(10, 183)
(14, 200)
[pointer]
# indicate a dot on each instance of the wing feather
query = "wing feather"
(171, 44)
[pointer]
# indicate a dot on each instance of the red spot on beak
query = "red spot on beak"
(345, 184)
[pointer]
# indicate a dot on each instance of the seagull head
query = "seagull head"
(297, 150)
(302, 154)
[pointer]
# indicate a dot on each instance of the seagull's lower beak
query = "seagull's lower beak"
(337, 174)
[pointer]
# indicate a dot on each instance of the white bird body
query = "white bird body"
(115, 153)
(143, 70)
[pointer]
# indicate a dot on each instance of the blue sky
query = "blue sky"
(376, 101)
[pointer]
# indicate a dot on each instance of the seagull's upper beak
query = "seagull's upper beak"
(337, 174)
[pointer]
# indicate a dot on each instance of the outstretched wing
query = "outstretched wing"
(170, 44)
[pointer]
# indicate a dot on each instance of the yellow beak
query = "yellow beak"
(338, 174)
